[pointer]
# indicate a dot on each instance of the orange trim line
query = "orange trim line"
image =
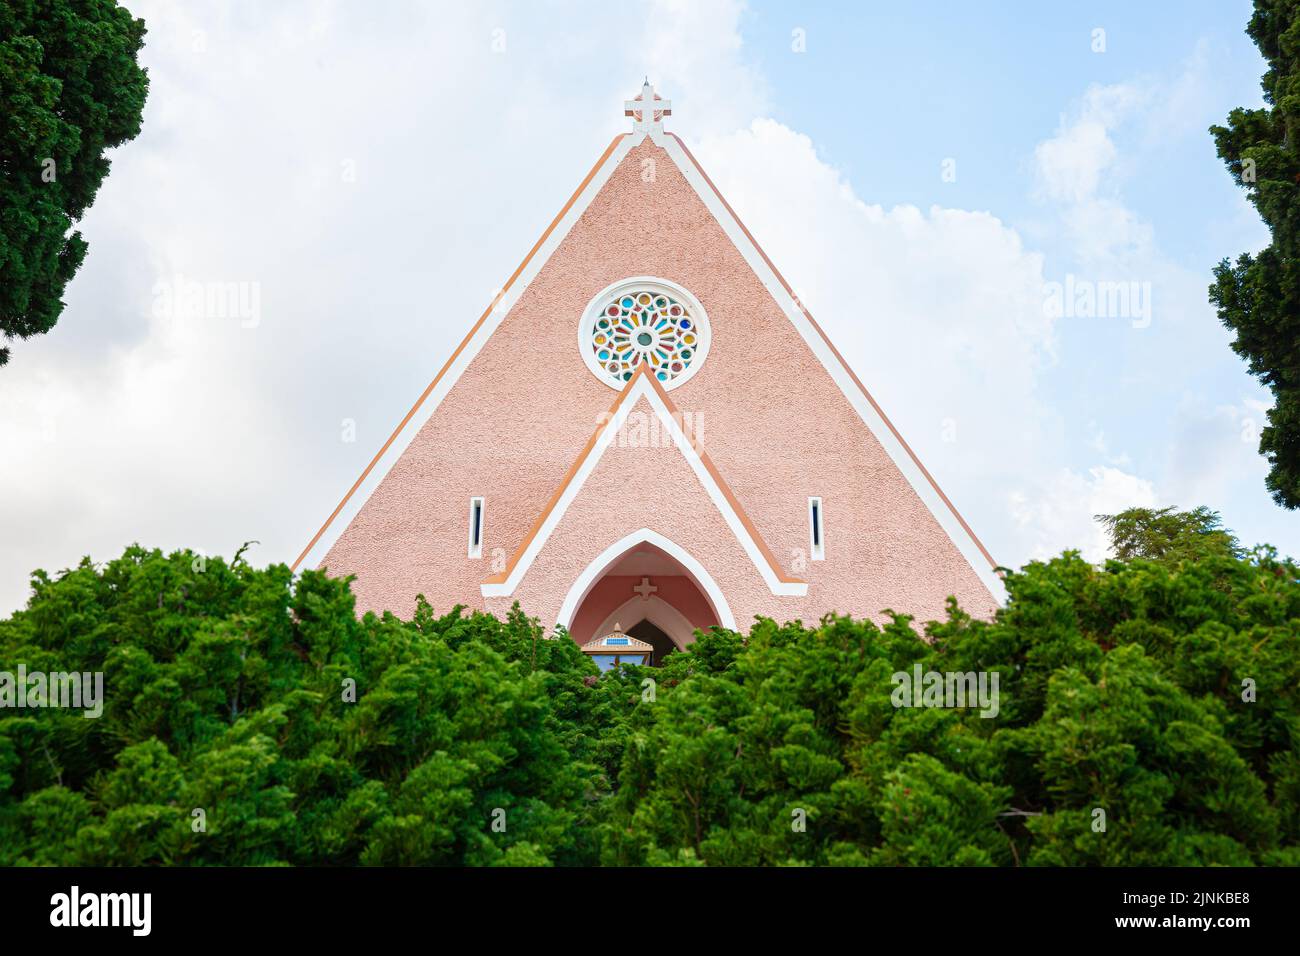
(642, 372)
(460, 348)
(825, 338)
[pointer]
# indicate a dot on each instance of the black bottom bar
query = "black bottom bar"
(330, 906)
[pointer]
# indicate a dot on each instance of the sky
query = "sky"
(944, 186)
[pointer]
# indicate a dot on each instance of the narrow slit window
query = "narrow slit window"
(476, 527)
(816, 529)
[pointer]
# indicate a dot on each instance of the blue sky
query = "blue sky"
(373, 172)
(981, 82)
(887, 91)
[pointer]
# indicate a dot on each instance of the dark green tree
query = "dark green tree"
(302, 733)
(70, 89)
(1258, 297)
(1165, 534)
(1149, 714)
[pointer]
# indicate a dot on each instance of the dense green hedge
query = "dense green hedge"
(1121, 690)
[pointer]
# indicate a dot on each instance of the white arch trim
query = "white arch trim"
(601, 563)
(655, 610)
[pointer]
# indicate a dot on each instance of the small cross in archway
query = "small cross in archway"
(645, 589)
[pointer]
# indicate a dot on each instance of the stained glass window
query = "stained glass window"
(643, 326)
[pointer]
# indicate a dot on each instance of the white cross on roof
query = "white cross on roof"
(648, 120)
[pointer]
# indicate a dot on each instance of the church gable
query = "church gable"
(644, 419)
(783, 417)
(643, 479)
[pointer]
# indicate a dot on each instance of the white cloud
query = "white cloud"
(204, 430)
(939, 312)
(373, 172)
(1081, 169)
(1215, 450)
(1151, 418)
(376, 171)
(1070, 165)
(696, 49)
(1062, 512)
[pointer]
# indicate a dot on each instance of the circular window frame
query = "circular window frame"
(652, 284)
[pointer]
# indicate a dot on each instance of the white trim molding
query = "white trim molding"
(655, 286)
(641, 388)
(594, 571)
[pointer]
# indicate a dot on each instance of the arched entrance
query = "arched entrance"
(650, 588)
(652, 635)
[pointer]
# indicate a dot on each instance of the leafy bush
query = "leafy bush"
(477, 741)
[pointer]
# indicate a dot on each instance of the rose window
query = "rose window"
(644, 327)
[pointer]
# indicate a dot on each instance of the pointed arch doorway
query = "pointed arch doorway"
(649, 587)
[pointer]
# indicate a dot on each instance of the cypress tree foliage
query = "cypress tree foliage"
(1166, 534)
(70, 88)
(1258, 297)
(1148, 714)
(227, 691)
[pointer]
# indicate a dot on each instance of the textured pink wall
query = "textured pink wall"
(773, 421)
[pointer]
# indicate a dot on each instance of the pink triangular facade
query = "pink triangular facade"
(780, 420)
